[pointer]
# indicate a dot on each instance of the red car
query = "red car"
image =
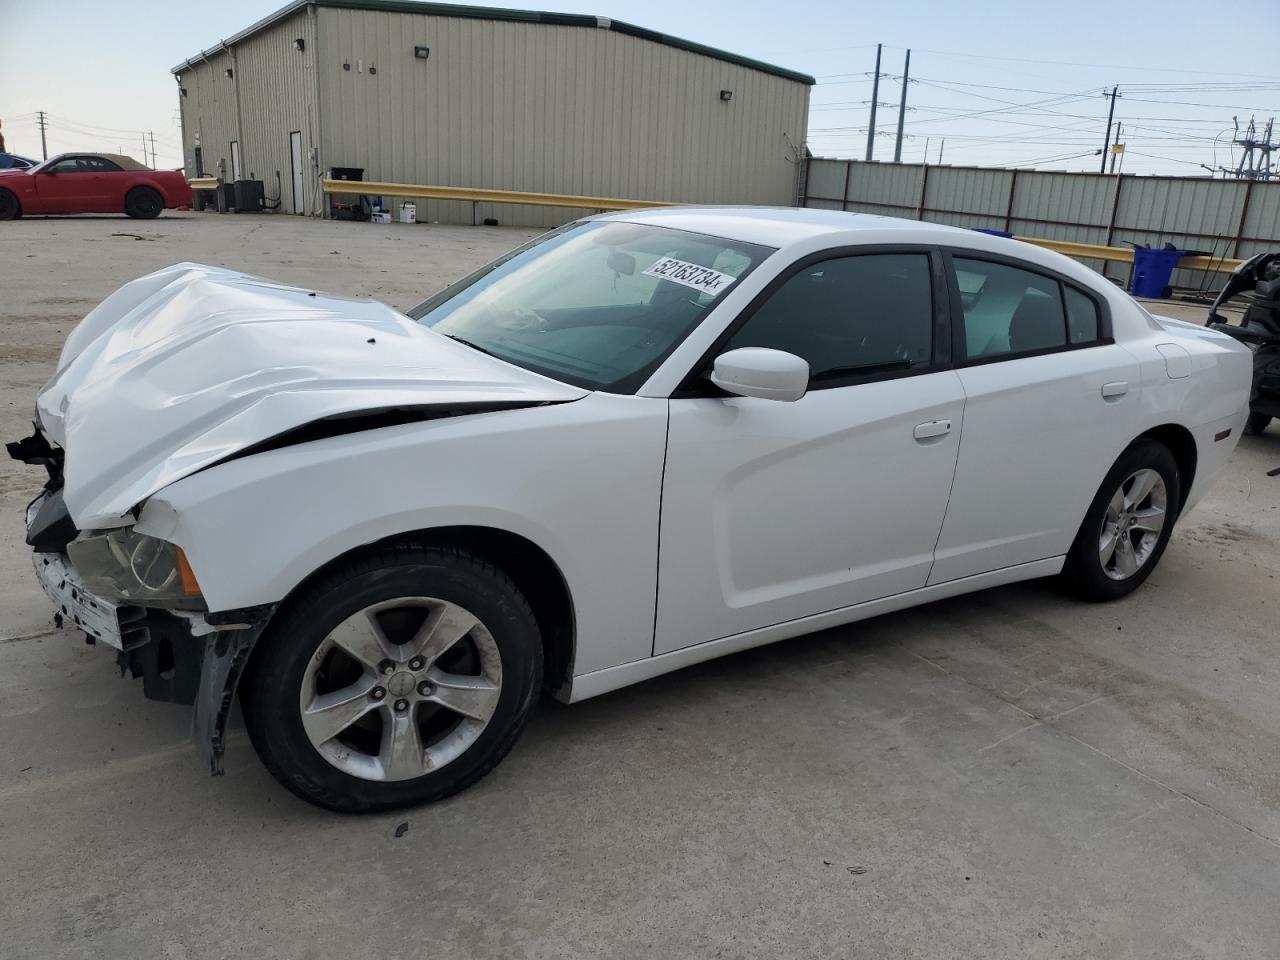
(92, 183)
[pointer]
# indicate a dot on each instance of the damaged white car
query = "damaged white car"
(638, 442)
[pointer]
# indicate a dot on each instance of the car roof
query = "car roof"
(119, 159)
(783, 227)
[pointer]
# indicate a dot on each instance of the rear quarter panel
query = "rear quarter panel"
(1212, 398)
(175, 189)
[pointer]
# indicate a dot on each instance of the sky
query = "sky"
(1003, 82)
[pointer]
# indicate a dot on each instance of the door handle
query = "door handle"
(932, 428)
(1115, 390)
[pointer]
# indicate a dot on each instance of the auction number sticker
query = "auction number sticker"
(703, 279)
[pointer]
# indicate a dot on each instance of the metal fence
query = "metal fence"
(1219, 218)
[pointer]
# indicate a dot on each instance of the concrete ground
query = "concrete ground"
(1009, 774)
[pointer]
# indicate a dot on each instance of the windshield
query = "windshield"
(44, 164)
(597, 304)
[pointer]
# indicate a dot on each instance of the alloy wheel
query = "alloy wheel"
(400, 688)
(1132, 524)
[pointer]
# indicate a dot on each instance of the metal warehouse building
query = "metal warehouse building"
(462, 96)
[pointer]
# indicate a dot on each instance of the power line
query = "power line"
(1064, 157)
(1103, 66)
(1153, 156)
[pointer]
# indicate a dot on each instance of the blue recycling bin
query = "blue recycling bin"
(1152, 270)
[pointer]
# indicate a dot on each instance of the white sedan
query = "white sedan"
(636, 443)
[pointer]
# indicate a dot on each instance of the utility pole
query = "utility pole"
(875, 95)
(902, 109)
(43, 122)
(942, 147)
(152, 135)
(926, 150)
(144, 149)
(1106, 141)
(1115, 147)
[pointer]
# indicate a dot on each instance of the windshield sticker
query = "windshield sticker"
(703, 279)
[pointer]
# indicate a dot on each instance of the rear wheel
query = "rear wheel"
(1128, 524)
(1256, 423)
(10, 209)
(143, 203)
(401, 677)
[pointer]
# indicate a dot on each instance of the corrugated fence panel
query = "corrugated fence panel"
(826, 181)
(1064, 197)
(1210, 208)
(890, 189)
(957, 190)
(1192, 213)
(1263, 219)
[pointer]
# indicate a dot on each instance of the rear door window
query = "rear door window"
(1008, 310)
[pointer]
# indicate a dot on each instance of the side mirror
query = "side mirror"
(761, 372)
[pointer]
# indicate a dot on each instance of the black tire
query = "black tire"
(10, 208)
(1084, 573)
(274, 677)
(143, 203)
(1257, 423)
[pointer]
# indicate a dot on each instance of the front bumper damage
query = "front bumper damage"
(184, 657)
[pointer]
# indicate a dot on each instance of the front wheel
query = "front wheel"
(401, 677)
(1128, 524)
(10, 209)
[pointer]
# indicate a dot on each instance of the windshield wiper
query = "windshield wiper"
(467, 343)
(834, 372)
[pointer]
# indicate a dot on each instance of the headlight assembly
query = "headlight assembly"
(125, 565)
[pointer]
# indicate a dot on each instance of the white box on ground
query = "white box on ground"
(379, 217)
(408, 213)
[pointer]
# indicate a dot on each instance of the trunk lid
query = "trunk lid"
(192, 364)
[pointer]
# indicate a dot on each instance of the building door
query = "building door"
(295, 166)
(235, 160)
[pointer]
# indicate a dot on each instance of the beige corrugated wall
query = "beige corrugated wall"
(277, 95)
(208, 113)
(523, 106)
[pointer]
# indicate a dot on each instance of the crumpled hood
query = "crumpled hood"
(187, 366)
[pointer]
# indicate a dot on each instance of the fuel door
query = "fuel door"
(1177, 362)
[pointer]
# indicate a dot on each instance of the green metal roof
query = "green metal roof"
(500, 13)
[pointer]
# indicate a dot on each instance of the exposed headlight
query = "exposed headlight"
(125, 565)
